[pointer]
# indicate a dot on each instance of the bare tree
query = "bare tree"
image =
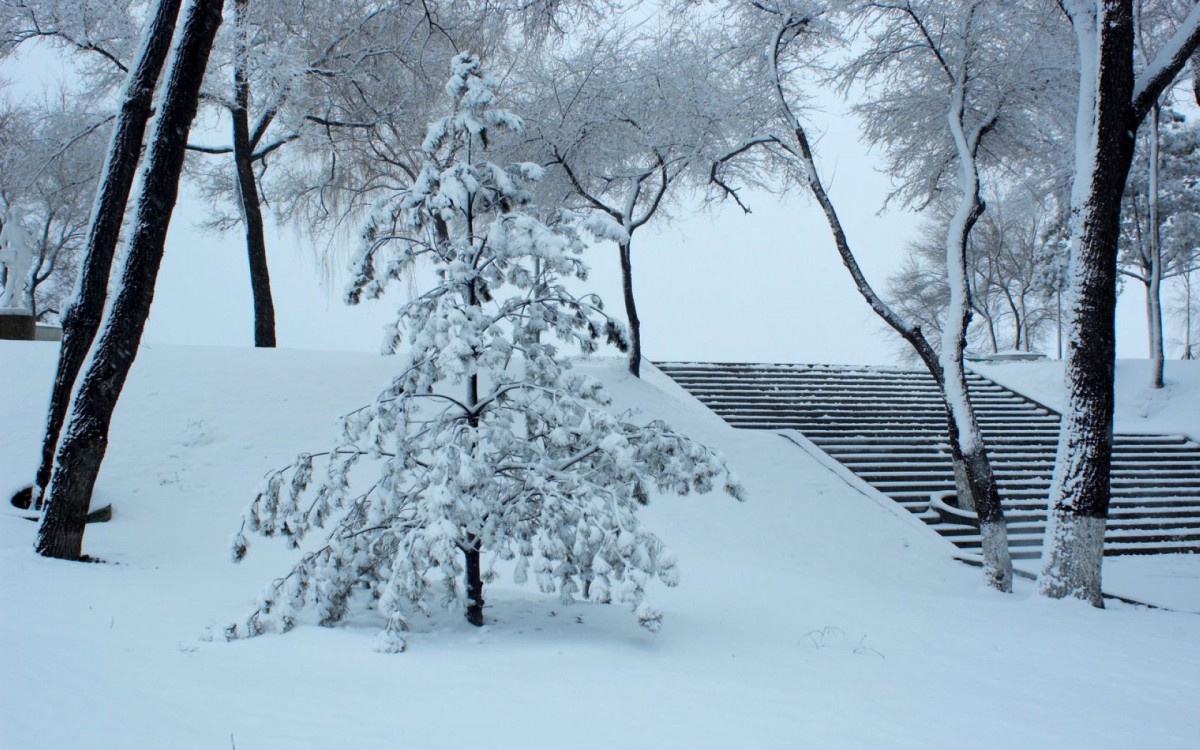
(1009, 253)
(633, 117)
(49, 160)
(274, 56)
(1160, 217)
(944, 80)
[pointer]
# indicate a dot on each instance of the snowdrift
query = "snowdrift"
(809, 616)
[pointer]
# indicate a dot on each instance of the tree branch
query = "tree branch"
(1161, 71)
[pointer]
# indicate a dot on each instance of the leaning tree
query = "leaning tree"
(85, 433)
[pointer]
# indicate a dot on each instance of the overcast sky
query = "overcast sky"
(711, 285)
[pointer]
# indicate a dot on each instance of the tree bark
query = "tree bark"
(251, 209)
(635, 324)
(81, 319)
(1195, 66)
(1080, 491)
(77, 462)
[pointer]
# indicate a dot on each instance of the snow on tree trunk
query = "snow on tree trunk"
(527, 468)
(81, 318)
(247, 193)
(974, 479)
(77, 462)
(1195, 66)
(970, 483)
(1154, 282)
(1080, 492)
(1112, 104)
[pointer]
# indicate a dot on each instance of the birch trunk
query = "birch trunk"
(1154, 280)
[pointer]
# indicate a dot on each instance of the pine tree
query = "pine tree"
(487, 444)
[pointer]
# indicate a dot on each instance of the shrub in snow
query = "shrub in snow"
(488, 446)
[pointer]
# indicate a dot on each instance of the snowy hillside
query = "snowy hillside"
(1139, 408)
(809, 616)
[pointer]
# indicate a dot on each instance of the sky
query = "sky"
(711, 284)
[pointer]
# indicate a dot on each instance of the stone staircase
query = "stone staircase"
(888, 427)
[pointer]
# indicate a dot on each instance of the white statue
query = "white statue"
(16, 259)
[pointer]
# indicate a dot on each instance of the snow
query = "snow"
(807, 616)
(1140, 408)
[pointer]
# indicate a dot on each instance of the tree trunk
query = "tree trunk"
(81, 318)
(1195, 65)
(472, 549)
(974, 480)
(78, 459)
(635, 325)
(1154, 285)
(474, 583)
(251, 209)
(1188, 352)
(1105, 131)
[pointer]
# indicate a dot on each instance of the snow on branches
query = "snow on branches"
(488, 447)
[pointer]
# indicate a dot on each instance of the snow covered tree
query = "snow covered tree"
(358, 137)
(268, 77)
(632, 117)
(1186, 309)
(945, 84)
(1114, 99)
(49, 159)
(488, 446)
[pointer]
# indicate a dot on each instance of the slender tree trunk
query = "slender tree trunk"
(974, 479)
(85, 439)
(243, 157)
(635, 325)
(471, 550)
(1187, 318)
(81, 318)
(1105, 130)
(1058, 315)
(474, 583)
(991, 329)
(1154, 285)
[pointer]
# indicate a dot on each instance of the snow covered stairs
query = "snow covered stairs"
(888, 427)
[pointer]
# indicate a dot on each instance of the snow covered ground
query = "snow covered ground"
(1140, 408)
(808, 616)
